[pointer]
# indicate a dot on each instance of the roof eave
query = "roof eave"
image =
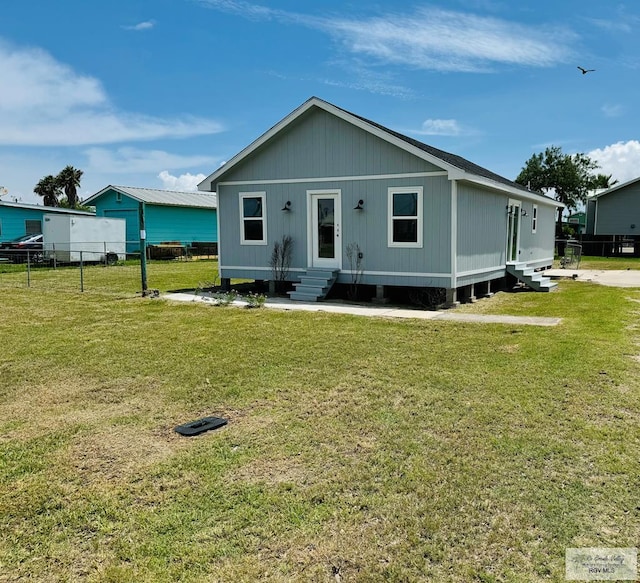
(520, 193)
(104, 190)
(454, 172)
(616, 187)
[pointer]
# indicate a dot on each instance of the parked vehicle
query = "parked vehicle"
(18, 249)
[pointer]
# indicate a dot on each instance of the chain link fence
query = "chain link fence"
(76, 269)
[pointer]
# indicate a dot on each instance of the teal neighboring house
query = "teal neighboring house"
(578, 221)
(177, 217)
(18, 219)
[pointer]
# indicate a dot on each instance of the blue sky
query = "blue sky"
(159, 94)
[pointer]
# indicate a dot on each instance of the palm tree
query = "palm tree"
(69, 180)
(603, 181)
(49, 190)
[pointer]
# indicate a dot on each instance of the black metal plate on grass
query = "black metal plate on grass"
(200, 426)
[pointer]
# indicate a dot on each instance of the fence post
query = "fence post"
(81, 273)
(143, 249)
(28, 268)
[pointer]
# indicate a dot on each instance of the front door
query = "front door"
(324, 229)
(513, 231)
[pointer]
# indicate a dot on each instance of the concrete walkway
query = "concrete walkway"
(376, 311)
(610, 277)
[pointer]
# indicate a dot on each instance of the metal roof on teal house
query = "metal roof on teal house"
(184, 217)
(18, 219)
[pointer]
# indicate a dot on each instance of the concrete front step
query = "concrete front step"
(536, 280)
(300, 297)
(314, 285)
(312, 289)
(313, 281)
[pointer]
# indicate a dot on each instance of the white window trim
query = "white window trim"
(118, 197)
(534, 219)
(401, 190)
(262, 195)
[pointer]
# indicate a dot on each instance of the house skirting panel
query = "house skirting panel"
(478, 277)
(398, 280)
(256, 273)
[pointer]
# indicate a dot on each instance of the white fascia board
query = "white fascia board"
(105, 189)
(206, 184)
(521, 194)
(614, 188)
(454, 172)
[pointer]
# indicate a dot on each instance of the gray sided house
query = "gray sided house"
(420, 217)
(615, 211)
(184, 218)
(613, 219)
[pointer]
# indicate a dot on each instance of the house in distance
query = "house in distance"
(179, 218)
(418, 216)
(18, 219)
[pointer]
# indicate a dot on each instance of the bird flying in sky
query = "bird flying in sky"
(585, 71)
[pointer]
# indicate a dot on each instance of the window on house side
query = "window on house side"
(253, 229)
(534, 218)
(32, 227)
(405, 217)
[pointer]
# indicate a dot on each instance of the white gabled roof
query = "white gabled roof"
(161, 197)
(457, 167)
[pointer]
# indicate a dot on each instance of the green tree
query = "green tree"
(568, 177)
(603, 181)
(69, 181)
(49, 190)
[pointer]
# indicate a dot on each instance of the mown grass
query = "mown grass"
(594, 262)
(357, 449)
(124, 278)
(590, 262)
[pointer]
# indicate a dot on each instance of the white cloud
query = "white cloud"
(451, 41)
(184, 183)
(440, 127)
(146, 25)
(621, 160)
(246, 9)
(611, 25)
(429, 38)
(50, 104)
(612, 110)
(132, 160)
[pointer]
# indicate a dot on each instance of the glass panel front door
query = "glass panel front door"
(513, 228)
(325, 230)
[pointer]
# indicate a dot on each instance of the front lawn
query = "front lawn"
(357, 449)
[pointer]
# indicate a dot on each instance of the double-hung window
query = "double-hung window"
(253, 225)
(405, 216)
(32, 227)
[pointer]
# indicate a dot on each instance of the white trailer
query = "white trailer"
(75, 238)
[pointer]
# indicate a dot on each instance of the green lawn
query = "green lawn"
(589, 262)
(357, 449)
